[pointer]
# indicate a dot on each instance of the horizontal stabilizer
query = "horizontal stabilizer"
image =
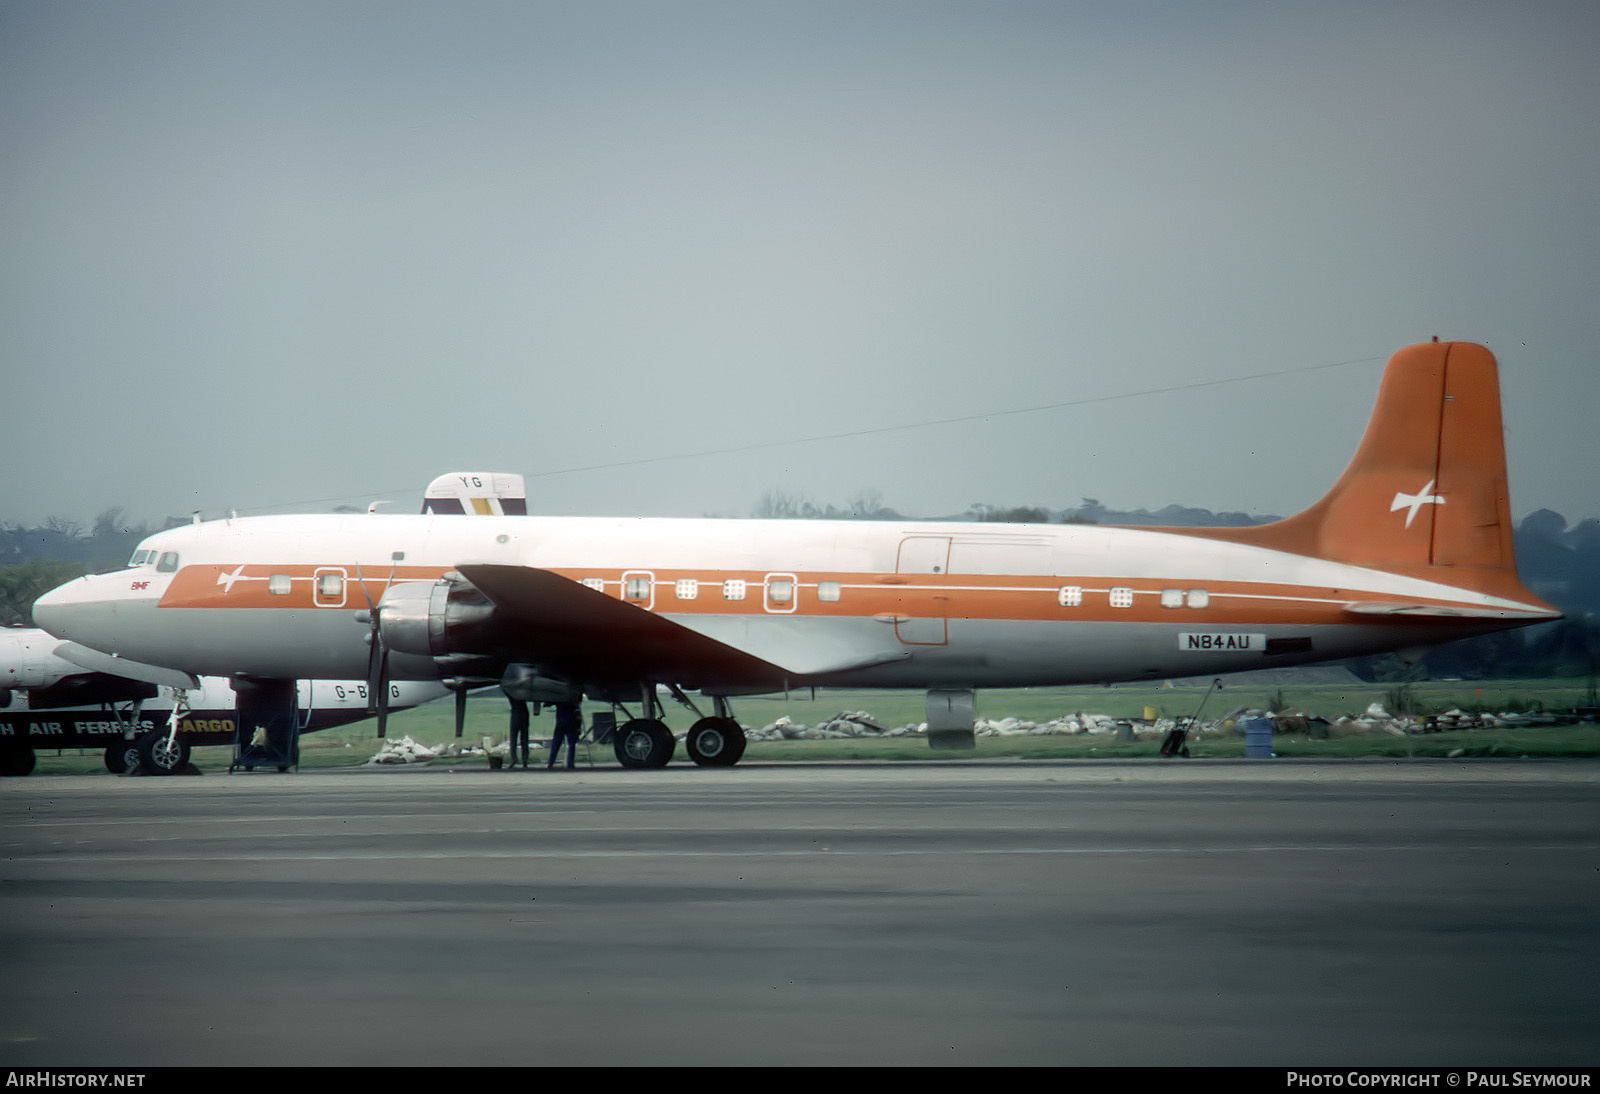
(1446, 611)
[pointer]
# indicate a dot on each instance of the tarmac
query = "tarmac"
(1274, 913)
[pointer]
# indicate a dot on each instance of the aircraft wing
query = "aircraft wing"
(114, 665)
(563, 624)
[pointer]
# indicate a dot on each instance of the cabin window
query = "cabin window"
(1199, 598)
(279, 584)
(733, 589)
(1121, 597)
(330, 585)
(780, 590)
(168, 563)
(638, 588)
(1172, 598)
(828, 591)
(1069, 596)
(598, 584)
(687, 588)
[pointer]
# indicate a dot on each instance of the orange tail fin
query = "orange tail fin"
(1426, 491)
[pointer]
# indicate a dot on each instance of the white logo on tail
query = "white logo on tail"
(1413, 503)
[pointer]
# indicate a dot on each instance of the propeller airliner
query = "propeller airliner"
(1409, 548)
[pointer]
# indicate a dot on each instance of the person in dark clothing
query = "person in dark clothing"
(519, 732)
(569, 723)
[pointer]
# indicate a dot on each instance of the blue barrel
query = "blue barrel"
(1257, 738)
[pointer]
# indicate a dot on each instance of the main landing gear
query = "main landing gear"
(646, 742)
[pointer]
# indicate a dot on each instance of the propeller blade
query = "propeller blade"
(377, 667)
(461, 710)
(383, 694)
(376, 654)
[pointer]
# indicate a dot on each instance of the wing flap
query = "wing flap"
(804, 647)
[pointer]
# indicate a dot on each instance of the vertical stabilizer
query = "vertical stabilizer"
(1426, 491)
(476, 493)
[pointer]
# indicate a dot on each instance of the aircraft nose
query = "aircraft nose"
(60, 610)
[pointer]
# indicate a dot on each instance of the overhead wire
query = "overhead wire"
(848, 434)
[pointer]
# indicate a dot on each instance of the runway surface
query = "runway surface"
(1212, 912)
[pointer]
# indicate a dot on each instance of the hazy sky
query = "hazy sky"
(286, 255)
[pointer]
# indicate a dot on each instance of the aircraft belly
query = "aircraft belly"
(987, 653)
(311, 644)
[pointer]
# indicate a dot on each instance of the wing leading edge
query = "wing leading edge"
(582, 632)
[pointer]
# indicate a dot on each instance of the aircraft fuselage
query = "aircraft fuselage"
(835, 603)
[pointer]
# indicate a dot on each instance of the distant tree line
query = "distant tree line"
(869, 505)
(35, 560)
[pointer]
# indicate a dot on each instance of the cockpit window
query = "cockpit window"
(138, 559)
(168, 563)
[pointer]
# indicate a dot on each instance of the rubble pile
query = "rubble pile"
(1375, 719)
(860, 724)
(408, 751)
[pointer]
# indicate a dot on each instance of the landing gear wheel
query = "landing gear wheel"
(16, 760)
(156, 756)
(121, 756)
(643, 742)
(715, 742)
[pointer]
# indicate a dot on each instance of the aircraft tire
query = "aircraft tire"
(16, 760)
(643, 743)
(715, 742)
(121, 756)
(157, 758)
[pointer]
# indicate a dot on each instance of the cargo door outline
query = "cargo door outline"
(914, 624)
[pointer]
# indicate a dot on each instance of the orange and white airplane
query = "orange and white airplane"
(1411, 547)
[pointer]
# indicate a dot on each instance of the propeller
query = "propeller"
(377, 654)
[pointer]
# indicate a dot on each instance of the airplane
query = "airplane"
(1409, 548)
(48, 702)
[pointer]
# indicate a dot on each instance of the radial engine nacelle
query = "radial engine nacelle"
(439, 619)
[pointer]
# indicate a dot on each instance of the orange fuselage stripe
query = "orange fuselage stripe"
(952, 596)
